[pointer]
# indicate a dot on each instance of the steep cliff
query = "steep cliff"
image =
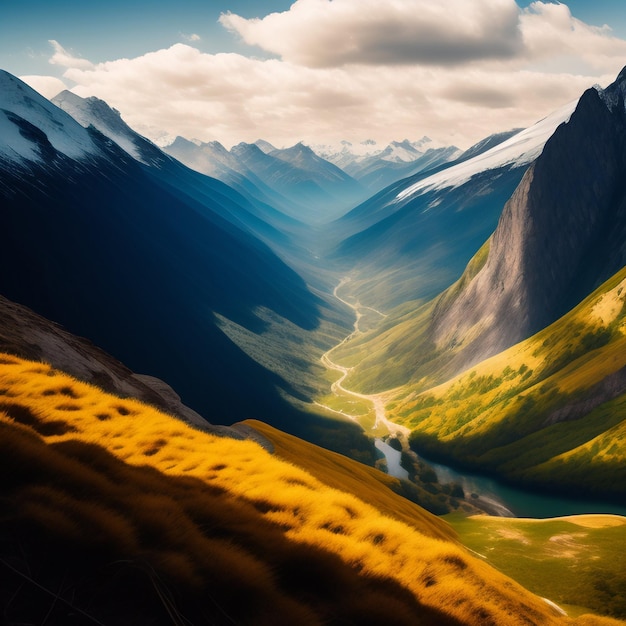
(560, 235)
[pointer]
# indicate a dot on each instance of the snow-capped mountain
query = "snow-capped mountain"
(24, 112)
(97, 113)
(377, 167)
(425, 228)
(141, 257)
(519, 150)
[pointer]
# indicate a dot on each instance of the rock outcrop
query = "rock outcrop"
(559, 236)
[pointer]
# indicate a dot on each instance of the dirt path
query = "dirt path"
(337, 387)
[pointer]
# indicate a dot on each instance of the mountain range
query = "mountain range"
(559, 242)
(304, 185)
(201, 334)
(147, 258)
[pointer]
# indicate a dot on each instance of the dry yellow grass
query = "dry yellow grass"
(587, 520)
(431, 579)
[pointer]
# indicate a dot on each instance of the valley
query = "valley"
(311, 369)
(374, 421)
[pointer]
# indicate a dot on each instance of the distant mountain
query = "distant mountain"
(250, 208)
(295, 180)
(143, 259)
(266, 146)
(414, 238)
(299, 174)
(560, 235)
(377, 168)
(214, 160)
(377, 173)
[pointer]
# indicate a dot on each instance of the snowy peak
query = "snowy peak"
(519, 150)
(402, 151)
(31, 126)
(615, 94)
(97, 113)
(487, 143)
(265, 146)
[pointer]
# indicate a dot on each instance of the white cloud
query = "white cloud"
(557, 40)
(47, 86)
(233, 98)
(193, 37)
(321, 33)
(66, 59)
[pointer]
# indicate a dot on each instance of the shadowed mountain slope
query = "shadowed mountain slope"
(413, 239)
(108, 247)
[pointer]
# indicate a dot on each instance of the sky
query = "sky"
(318, 71)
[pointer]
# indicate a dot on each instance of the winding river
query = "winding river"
(504, 500)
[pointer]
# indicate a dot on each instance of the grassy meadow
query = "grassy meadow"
(571, 560)
(116, 513)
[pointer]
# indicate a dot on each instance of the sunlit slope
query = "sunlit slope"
(401, 349)
(570, 560)
(550, 411)
(367, 483)
(115, 512)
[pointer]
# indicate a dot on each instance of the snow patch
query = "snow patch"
(13, 145)
(521, 149)
(63, 132)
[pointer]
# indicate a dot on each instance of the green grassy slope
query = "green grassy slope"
(570, 560)
(550, 411)
(400, 350)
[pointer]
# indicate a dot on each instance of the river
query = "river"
(519, 502)
(393, 457)
(502, 499)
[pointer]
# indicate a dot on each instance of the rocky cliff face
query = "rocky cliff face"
(560, 235)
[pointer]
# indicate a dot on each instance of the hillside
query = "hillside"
(548, 412)
(576, 554)
(120, 514)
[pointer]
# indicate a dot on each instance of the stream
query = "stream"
(520, 502)
(502, 499)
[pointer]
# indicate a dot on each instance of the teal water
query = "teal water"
(519, 502)
(393, 457)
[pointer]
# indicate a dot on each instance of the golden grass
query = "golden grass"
(115, 481)
(367, 483)
(587, 520)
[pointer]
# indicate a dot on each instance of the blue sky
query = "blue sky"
(103, 31)
(313, 72)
